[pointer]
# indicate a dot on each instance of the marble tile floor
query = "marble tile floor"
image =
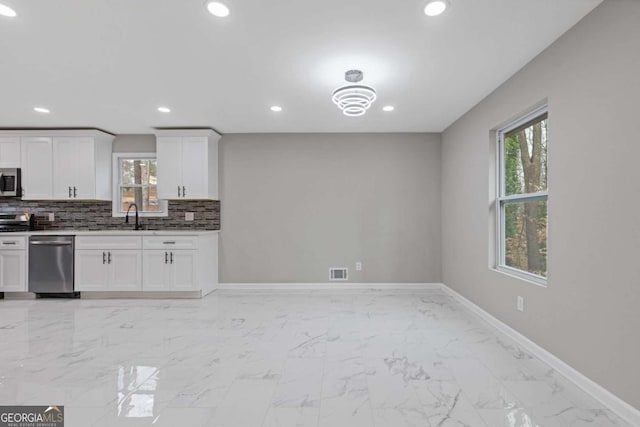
(280, 359)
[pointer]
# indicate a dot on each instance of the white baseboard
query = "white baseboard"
(613, 402)
(140, 295)
(327, 286)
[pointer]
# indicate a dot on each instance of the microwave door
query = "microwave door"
(7, 183)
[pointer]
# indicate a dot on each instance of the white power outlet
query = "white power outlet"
(52, 217)
(358, 266)
(188, 216)
(520, 303)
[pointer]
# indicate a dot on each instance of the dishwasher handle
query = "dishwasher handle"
(51, 242)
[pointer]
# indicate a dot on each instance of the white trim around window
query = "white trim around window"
(502, 200)
(117, 185)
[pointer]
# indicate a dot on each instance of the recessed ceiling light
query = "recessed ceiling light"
(388, 108)
(276, 108)
(164, 109)
(218, 9)
(41, 110)
(435, 7)
(7, 11)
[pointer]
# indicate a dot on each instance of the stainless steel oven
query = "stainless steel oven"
(10, 183)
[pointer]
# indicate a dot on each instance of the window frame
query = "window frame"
(116, 185)
(502, 200)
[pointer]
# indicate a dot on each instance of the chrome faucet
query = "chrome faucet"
(126, 219)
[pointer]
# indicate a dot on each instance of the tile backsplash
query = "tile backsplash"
(96, 215)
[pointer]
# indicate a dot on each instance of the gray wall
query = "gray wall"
(589, 314)
(134, 143)
(294, 205)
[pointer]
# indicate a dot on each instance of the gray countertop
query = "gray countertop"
(113, 233)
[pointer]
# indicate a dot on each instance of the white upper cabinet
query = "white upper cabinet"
(74, 168)
(187, 164)
(169, 161)
(64, 164)
(37, 168)
(10, 152)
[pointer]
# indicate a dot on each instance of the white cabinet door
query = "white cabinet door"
(169, 160)
(194, 167)
(13, 270)
(10, 152)
(37, 169)
(169, 270)
(64, 168)
(184, 274)
(156, 271)
(74, 172)
(125, 270)
(91, 270)
(85, 169)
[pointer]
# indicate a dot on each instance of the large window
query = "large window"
(522, 196)
(136, 181)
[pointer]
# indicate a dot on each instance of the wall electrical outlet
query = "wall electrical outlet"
(188, 216)
(52, 217)
(520, 303)
(358, 266)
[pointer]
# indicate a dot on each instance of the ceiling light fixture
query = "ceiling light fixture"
(164, 109)
(388, 108)
(435, 7)
(41, 110)
(354, 99)
(7, 11)
(218, 9)
(276, 108)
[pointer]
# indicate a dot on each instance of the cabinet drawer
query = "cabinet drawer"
(17, 242)
(170, 242)
(108, 242)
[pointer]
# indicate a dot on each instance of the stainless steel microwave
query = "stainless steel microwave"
(10, 183)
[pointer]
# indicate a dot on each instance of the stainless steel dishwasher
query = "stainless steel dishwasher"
(51, 264)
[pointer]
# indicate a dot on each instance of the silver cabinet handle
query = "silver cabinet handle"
(178, 191)
(8, 243)
(75, 192)
(165, 258)
(171, 257)
(109, 258)
(104, 258)
(69, 192)
(168, 242)
(184, 191)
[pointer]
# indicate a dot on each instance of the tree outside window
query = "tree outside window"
(523, 196)
(137, 182)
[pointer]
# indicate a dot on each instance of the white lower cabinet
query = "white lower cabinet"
(166, 263)
(108, 270)
(125, 273)
(13, 264)
(13, 271)
(169, 270)
(108, 263)
(91, 271)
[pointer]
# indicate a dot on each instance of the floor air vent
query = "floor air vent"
(338, 274)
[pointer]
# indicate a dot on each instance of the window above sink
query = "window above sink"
(135, 180)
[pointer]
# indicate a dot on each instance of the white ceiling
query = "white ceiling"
(111, 63)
